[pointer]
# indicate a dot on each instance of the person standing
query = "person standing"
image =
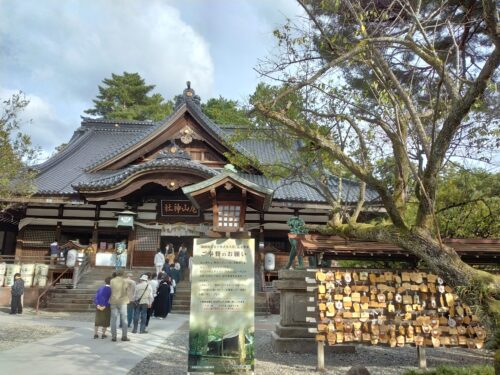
(175, 272)
(17, 291)
(119, 301)
(159, 261)
(167, 270)
(54, 252)
(154, 287)
(162, 299)
(142, 300)
(131, 297)
(172, 292)
(103, 310)
(120, 250)
(183, 259)
(170, 256)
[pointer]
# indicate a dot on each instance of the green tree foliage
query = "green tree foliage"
(408, 83)
(225, 112)
(128, 97)
(469, 204)
(16, 152)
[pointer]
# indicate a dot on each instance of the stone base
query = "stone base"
(305, 345)
(295, 331)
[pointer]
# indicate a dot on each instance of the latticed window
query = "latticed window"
(229, 217)
(38, 238)
(147, 239)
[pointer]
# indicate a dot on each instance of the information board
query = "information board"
(221, 322)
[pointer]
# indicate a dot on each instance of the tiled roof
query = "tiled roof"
(98, 141)
(301, 192)
(146, 127)
(91, 142)
(157, 164)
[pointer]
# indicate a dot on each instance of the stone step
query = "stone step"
(72, 291)
(183, 299)
(72, 295)
(68, 309)
(70, 301)
(71, 307)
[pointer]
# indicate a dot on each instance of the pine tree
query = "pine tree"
(128, 97)
(225, 112)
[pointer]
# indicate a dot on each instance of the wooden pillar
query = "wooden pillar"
(60, 214)
(95, 242)
(422, 360)
(131, 248)
(95, 235)
(58, 231)
(19, 244)
(321, 357)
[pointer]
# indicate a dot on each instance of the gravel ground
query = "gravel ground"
(74, 316)
(15, 334)
(171, 358)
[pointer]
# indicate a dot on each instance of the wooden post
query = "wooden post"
(131, 248)
(422, 360)
(321, 357)
(58, 231)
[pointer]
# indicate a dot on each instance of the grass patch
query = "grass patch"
(451, 370)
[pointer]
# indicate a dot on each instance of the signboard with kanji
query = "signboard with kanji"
(221, 322)
(178, 208)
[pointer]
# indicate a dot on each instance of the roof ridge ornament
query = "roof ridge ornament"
(230, 168)
(171, 151)
(187, 95)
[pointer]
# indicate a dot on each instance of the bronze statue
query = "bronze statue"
(297, 227)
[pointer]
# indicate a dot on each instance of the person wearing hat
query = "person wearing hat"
(143, 299)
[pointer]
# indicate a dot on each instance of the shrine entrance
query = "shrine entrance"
(177, 241)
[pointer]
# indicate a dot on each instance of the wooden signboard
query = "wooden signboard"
(392, 308)
(178, 208)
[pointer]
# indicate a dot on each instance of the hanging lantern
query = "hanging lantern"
(125, 219)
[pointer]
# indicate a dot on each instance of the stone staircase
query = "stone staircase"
(81, 299)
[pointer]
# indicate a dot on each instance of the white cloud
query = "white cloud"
(39, 119)
(60, 51)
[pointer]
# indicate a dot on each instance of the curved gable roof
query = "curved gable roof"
(99, 143)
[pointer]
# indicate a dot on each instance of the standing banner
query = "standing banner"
(221, 323)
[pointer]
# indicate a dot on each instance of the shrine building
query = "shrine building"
(150, 183)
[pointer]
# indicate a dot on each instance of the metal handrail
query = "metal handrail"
(49, 288)
(80, 270)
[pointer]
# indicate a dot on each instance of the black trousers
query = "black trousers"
(15, 305)
(148, 315)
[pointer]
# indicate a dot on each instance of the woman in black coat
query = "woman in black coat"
(161, 303)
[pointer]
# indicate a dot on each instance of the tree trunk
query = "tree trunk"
(475, 287)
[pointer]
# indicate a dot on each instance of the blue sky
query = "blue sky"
(57, 52)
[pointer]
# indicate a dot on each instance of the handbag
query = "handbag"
(137, 302)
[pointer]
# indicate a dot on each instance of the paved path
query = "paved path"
(77, 352)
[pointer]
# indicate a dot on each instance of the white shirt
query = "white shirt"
(154, 286)
(159, 259)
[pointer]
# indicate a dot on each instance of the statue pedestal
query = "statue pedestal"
(291, 333)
